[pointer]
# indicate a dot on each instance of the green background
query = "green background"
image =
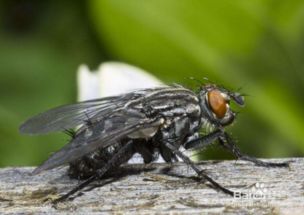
(257, 45)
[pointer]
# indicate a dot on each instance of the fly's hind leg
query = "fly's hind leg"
(123, 155)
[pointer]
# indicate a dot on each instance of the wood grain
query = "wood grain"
(161, 189)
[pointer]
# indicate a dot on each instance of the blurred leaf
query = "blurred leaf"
(38, 61)
(287, 17)
(184, 33)
(234, 42)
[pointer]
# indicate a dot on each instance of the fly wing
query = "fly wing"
(71, 116)
(99, 135)
(110, 119)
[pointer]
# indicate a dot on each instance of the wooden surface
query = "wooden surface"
(153, 188)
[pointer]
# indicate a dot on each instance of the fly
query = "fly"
(151, 122)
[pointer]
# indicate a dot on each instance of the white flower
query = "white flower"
(112, 78)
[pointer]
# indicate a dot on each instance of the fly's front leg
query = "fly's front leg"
(227, 142)
(204, 141)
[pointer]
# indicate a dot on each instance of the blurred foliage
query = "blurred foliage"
(42, 44)
(256, 45)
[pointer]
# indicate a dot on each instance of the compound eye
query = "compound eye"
(217, 103)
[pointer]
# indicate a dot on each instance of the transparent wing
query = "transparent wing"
(100, 135)
(71, 116)
(116, 118)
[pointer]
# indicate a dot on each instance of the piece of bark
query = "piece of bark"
(160, 188)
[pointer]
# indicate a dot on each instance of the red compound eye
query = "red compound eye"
(218, 103)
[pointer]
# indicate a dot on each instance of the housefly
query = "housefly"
(155, 121)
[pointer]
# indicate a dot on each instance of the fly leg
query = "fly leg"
(124, 154)
(227, 142)
(204, 141)
(171, 138)
(196, 168)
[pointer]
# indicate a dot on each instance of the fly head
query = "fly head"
(215, 104)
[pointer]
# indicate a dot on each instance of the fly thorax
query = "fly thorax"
(207, 126)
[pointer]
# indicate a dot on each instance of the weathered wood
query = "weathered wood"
(277, 190)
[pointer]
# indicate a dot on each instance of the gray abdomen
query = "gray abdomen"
(88, 165)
